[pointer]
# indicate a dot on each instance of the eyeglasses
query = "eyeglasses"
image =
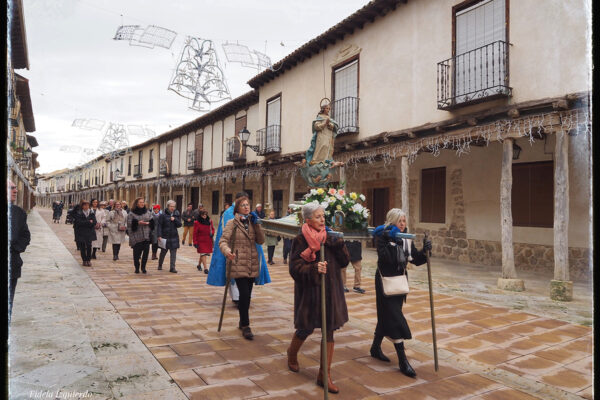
(13, 188)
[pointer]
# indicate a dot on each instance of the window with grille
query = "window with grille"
(274, 112)
(533, 194)
(433, 195)
(480, 48)
(345, 102)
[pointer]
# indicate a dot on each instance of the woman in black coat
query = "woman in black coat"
(84, 224)
(392, 256)
(168, 222)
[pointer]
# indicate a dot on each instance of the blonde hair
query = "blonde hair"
(394, 216)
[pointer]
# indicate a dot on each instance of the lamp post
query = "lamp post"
(244, 135)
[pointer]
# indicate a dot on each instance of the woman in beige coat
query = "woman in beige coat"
(116, 223)
(238, 245)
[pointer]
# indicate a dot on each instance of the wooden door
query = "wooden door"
(380, 205)
(195, 197)
(179, 201)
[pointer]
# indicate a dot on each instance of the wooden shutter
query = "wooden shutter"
(433, 195)
(240, 123)
(169, 156)
(533, 194)
(199, 145)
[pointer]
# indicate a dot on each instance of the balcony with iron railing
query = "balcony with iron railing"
(194, 160)
(345, 112)
(478, 75)
(269, 140)
(137, 171)
(235, 150)
(163, 167)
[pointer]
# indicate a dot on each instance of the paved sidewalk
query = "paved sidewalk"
(486, 351)
(67, 339)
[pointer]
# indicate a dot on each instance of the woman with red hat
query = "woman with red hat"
(203, 238)
(155, 214)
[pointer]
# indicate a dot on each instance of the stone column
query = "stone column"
(170, 192)
(185, 197)
(509, 280)
(561, 287)
(404, 183)
(293, 187)
(158, 193)
(343, 177)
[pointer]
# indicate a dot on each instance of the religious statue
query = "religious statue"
(318, 163)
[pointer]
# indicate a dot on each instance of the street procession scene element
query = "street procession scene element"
(344, 218)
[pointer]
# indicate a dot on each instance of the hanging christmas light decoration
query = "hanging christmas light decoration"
(198, 75)
(239, 53)
(149, 37)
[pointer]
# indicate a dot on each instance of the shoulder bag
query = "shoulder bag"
(394, 285)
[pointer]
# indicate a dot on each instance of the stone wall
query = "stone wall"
(452, 243)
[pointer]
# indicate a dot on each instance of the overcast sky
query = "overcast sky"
(78, 71)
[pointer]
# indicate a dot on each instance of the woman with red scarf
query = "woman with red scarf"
(306, 269)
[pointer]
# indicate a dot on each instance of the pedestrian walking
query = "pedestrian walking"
(287, 243)
(19, 240)
(100, 214)
(155, 215)
(116, 225)
(110, 206)
(271, 241)
(225, 208)
(355, 250)
(84, 223)
(188, 217)
(203, 239)
(259, 211)
(103, 205)
(69, 219)
(305, 268)
(238, 244)
(168, 223)
(217, 272)
(139, 225)
(57, 208)
(392, 257)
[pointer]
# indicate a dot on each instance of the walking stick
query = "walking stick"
(228, 279)
(324, 332)
(435, 355)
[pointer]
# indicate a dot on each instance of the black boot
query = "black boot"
(376, 348)
(94, 254)
(405, 367)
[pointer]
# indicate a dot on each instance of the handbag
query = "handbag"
(394, 285)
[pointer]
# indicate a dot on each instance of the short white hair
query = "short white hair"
(309, 209)
(393, 216)
(171, 202)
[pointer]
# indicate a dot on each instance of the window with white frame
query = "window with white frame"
(345, 101)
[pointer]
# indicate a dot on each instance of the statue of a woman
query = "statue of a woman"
(318, 162)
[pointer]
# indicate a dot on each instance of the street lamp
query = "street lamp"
(244, 135)
(516, 151)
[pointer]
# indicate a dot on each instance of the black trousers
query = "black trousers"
(245, 286)
(116, 248)
(154, 248)
(271, 251)
(287, 248)
(141, 249)
(104, 242)
(12, 288)
(86, 250)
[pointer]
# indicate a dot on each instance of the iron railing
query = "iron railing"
(269, 140)
(194, 160)
(477, 75)
(163, 167)
(345, 112)
(235, 150)
(137, 171)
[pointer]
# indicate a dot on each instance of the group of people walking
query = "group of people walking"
(97, 224)
(238, 257)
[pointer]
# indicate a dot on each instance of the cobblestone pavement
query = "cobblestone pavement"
(486, 351)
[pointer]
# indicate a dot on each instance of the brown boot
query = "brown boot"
(330, 386)
(292, 353)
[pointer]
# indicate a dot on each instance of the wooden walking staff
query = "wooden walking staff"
(435, 355)
(324, 331)
(227, 279)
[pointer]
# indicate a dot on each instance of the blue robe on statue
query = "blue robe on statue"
(218, 262)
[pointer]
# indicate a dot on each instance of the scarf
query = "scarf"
(140, 211)
(204, 220)
(314, 239)
(86, 212)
